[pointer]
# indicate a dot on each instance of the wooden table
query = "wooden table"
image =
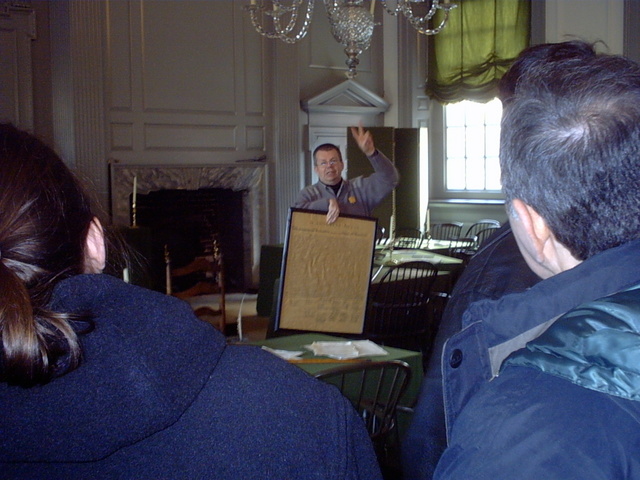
(432, 245)
(386, 257)
(449, 268)
(442, 246)
(298, 342)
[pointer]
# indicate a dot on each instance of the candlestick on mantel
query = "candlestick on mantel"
(373, 6)
(134, 197)
(392, 221)
(427, 227)
(167, 270)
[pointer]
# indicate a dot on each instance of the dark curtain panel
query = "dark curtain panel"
(477, 46)
(402, 146)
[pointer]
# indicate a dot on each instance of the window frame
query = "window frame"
(437, 165)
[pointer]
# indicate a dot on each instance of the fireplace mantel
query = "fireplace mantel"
(249, 176)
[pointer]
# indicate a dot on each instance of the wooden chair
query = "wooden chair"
(449, 234)
(473, 230)
(467, 247)
(207, 291)
(483, 235)
(446, 231)
(463, 248)
(374, 389)
(398, 312)
(408, 238)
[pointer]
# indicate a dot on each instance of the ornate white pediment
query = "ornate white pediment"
(347, 98)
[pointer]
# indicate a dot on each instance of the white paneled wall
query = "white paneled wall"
(17, 31)
(590, 20)
(184, 85)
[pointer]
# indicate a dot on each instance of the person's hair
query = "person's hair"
(570, 148)
(44, 221)
(326, 147)
(543, 53)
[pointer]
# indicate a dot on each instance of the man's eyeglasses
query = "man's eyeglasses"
(326, 164)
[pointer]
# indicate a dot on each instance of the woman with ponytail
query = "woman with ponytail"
(47, 233)
(102, 379)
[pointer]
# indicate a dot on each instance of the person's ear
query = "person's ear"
(535, 229)
(95, 252)
(544, 254)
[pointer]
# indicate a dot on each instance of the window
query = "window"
(472, 145)
(467, 139)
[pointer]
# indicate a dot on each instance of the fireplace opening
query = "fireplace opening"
(187, 221)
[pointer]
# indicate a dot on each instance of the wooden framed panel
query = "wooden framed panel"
(326, 271)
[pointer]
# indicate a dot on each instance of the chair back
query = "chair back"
(473, 230)
(206, 292)
(408, 238)
(483, 235)
(446, 231)
(374, 389)
(467, 246)
(463, 248)
(398, 309)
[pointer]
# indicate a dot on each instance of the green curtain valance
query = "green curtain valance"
(477, 46)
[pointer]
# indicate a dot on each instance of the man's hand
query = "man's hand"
(334, 211)
(364, 140)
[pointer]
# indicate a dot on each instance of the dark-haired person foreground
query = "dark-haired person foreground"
(101, 379)
(545, 383)
(334, 194)
(498, 269)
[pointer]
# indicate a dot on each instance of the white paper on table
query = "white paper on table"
(285, 354)
(343, 350)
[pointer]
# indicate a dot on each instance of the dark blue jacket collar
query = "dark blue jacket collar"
(601, 275)
(596, 346)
